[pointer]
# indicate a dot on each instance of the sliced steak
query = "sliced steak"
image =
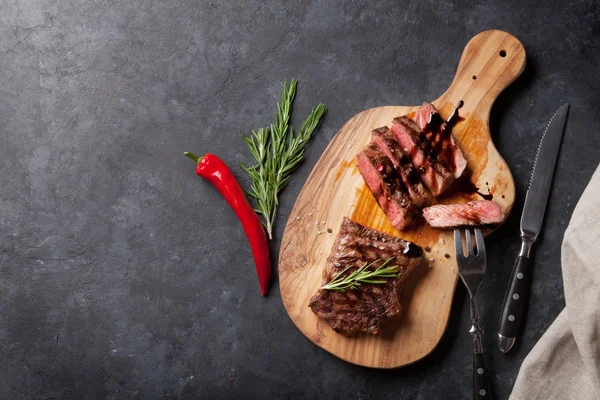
(369, 308)
(438, 133)
(482, 212)
(414, 143)
(389, 145)
(386, 185)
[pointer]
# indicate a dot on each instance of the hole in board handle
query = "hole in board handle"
(474, 77)
(502, 53)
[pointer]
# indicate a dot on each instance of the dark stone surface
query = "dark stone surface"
(123, 275)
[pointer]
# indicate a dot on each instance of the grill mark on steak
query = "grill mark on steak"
(415, 144)
(371, 307)
(386, 141)
(387, 186)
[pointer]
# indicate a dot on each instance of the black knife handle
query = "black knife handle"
(482, 389)
(516, 299)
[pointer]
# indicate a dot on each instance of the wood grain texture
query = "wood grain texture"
(490, 62)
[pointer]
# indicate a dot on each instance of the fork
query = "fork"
(471, 268)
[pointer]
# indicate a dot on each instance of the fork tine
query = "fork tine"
(470, 250)
(480, 243)
(458, 247)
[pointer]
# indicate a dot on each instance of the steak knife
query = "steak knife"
(517, 294)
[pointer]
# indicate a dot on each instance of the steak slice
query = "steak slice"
(438, 133)
(369, 308)
(481, 212)
(389, 145)
(414, 143)
(386, 185)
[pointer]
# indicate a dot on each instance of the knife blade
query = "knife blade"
(517, 294)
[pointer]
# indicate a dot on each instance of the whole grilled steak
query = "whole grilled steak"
(369, 308)
(387, 186)
(389, 145)
(438, 133)
(481, 212)
(415, 144)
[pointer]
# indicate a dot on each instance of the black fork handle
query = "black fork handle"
(482, 388)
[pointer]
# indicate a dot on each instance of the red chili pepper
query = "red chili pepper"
(211, 168)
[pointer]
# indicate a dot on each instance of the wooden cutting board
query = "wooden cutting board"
(335, 189)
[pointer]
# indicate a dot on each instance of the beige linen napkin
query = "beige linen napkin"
(565, 363)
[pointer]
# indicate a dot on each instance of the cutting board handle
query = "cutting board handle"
(491, 61)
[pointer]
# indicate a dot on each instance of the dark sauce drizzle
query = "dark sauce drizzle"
(437, 132)
(412, 250)
(465, 183)
(466, 186)
(453, 118)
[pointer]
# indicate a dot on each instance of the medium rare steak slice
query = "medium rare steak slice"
(438, 133)
(389, 145)
(386, 185)
(482, 212)
(369, 308)
(414, 143)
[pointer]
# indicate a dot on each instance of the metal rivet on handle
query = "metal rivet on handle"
(520, 275)
(482, 392)
(516, 296)
(480, 371)
(511, 318)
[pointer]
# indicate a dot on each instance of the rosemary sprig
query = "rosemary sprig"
(363, 274)
(277, 151)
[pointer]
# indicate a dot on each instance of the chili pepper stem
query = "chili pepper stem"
(193, 156)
